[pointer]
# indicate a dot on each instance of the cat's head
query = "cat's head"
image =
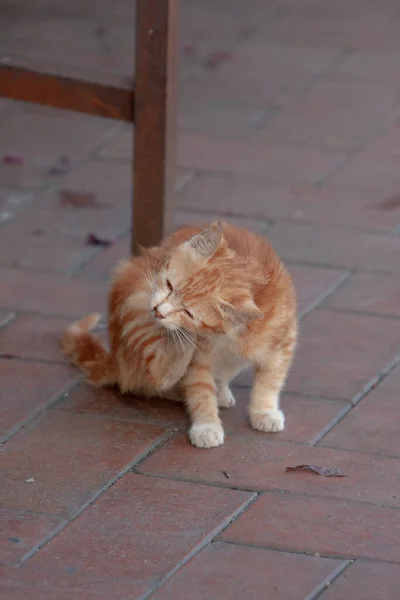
(202, 286)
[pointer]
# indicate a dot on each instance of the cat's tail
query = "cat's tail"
(87, 352)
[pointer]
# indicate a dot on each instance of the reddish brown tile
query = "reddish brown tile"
(372, 67)
(337, 528)
(368, 292)
(184, 218)
(305, 416)
(363, 30)
(40, 140)
(49, 294)
(336, 358)
(336, 114)
(88, 47)
(69, 457)
(100, 267)
(111, 186)
(89, 400)
(231, 572)
(215, 118)
(376, 166)
(21, 532)
(26, 388)
(31, 248)
(278, 163)
(313, 284)
(238, 78)
(372, 426)
(335, 246)
(330, 205)
(126, 533)
(22, 583)
(366, 580)
(6, 317)
(37, 337)
(257, 462)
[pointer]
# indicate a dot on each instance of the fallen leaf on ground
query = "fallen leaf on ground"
(216, 59)
(77, 199)
(94, 240)
(9, 159)
(61, 166)
(390, 203)
(324, 471)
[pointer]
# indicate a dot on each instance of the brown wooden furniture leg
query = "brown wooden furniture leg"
(155, 121)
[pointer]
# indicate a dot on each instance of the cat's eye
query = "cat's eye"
(189, 314)
(169, 285)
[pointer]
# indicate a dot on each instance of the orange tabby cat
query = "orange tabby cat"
(189, 315)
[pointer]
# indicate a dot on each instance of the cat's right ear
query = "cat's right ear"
(205, 243)
(154, 253)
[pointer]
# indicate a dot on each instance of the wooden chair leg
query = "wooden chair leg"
(155, 121)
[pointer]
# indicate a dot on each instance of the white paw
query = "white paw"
(270, 421)
(206, 435)
(225, 397)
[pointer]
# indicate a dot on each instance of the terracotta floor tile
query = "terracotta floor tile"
(259, 462)
(375, 166)
(229, 572)
(237, 194)
(50, 295)
(335, 357)
(334, 114)
(366, 580)
(368, 292)
(345, 529)
(109, 403)
(33, 336)
(22, 583)
(110, 185)
(41, 139)
(140, 529)
(305, 416)
(27, 388)
(373, 425)
(312, 284)
(21, 532)
(277, 163)
(28, 248)
(6, 316)
(70, 457)
(335, 246)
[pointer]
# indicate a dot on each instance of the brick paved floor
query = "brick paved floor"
(289, 124)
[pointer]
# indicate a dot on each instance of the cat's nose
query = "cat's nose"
(157, 314)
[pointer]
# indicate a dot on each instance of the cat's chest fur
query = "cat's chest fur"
(226, 355)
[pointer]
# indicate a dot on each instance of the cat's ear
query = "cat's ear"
(241, 312)
(207, 241)
(156, 255)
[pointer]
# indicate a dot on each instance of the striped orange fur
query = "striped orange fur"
(189, 315)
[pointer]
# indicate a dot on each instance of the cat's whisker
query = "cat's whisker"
(189, 338)
(184, 350)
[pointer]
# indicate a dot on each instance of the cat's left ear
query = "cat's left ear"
(243, 311)
(207, 241)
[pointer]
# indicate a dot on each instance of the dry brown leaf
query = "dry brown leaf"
(94, 240)
(77, 199)
(324, 471)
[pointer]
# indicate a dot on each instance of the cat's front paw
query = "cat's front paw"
(271, 421)
(206, 435)
(225, 397)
